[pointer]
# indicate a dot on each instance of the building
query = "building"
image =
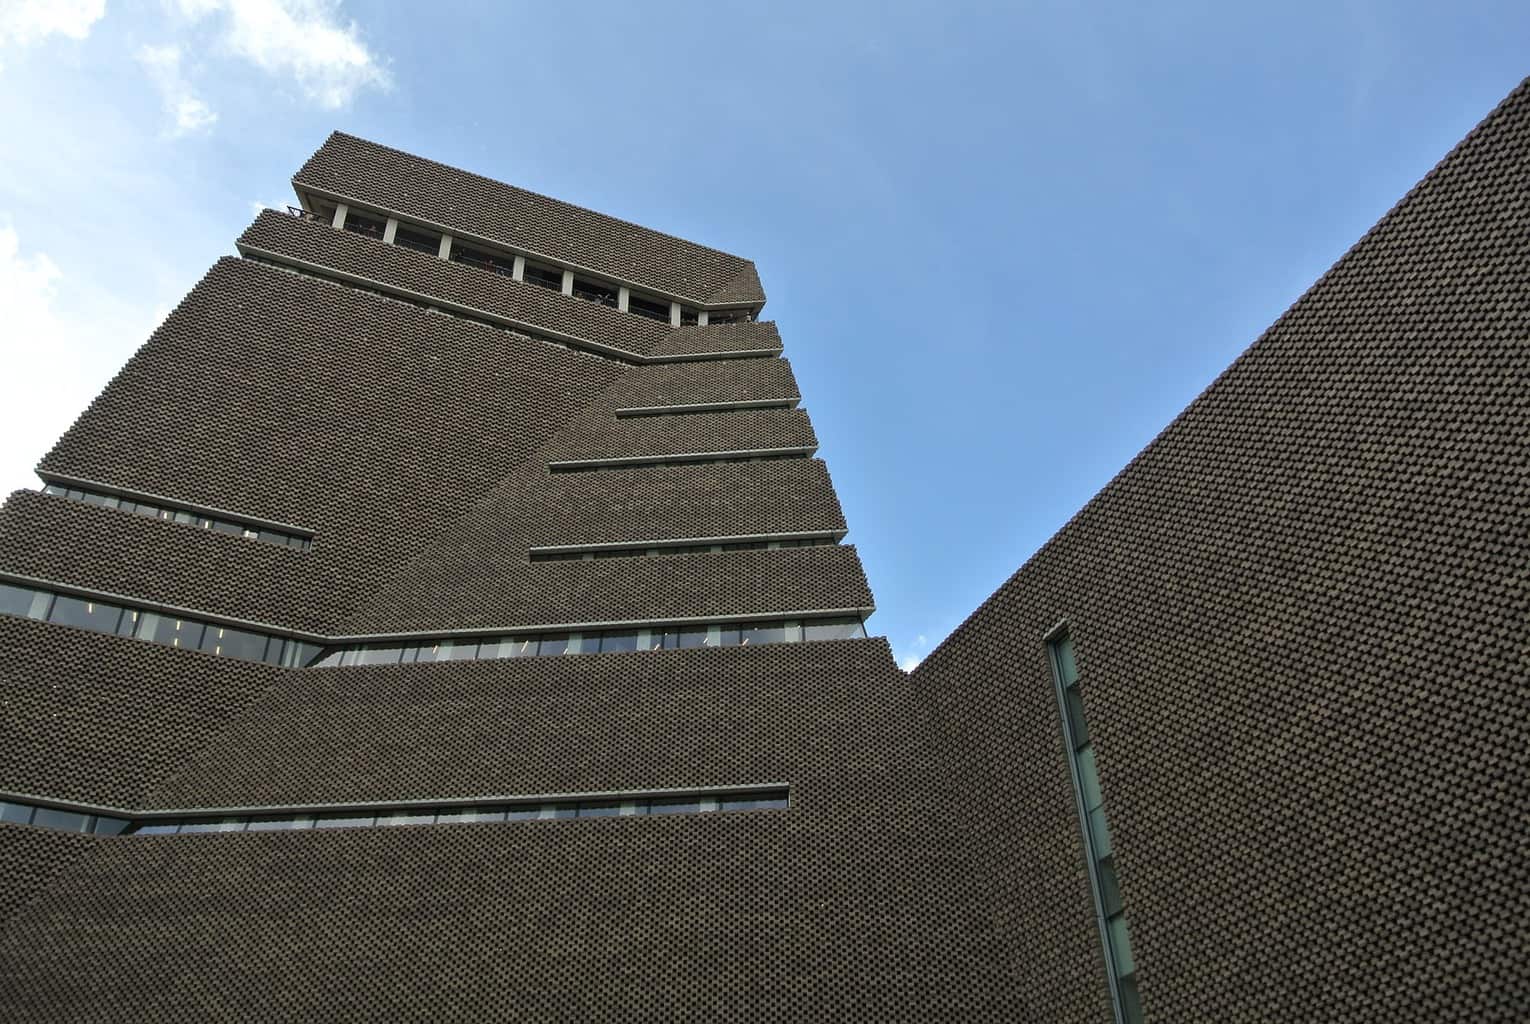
(447, 512)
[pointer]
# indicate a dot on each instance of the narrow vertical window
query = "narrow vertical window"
(1097, 846)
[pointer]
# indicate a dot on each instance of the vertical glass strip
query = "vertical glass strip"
(1121, 968)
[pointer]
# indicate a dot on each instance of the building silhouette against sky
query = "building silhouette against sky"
(444, 616)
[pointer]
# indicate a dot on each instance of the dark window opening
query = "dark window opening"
(544, 277)
(419, 241)
(365, 224)
(590, 291)
(493, 263)
(646, 307)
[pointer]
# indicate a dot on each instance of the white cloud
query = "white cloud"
(56, 357)
(304, 39)
(188, 112)
(256, 206)
(25, 22)
(909, 662)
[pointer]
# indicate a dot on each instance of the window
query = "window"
(729, 316)
(365, 224)
(688, 317)
(1096, 832)
(85, 614)
(233, 643)
(494, 263)
(544, 277)
(592, 291)
(187, 516)
(419, 241)
(648, 307)
(833, 629)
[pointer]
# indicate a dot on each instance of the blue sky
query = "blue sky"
(1005, 244)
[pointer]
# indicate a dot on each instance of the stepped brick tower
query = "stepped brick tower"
(444, 616)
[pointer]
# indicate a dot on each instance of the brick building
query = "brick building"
(444, 616)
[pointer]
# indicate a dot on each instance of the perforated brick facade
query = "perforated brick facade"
(1299, 618)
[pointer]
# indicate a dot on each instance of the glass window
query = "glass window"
(559, 811)
(469, 814)
(553, 643)
(275, 648)
(147, 511)
(1067, 667)
(523, 812)
(755, 802)
(15, 600)
(163, 828)
(419, 241)
(233, 643)
(446, 650)
(723, 636)
(591, 291)
(407, 818)
(56, 489)
(280, 824)
(618, 640)
(686, 637)
(224, 526)
(494, 263)
(544, 277)
(17, 814)
(67, 821)
(1089, 779)
(346, 821)
(833, 629)
(365, 224)
(683, 805)
(646, 307)
(109, 826)
(377, 654)
(765, 633)
(604, 809)
(168, 630)
(1078, 729)
(218, 825)
(128, 624)
(99, 499)
(85, 614)
(515, 647)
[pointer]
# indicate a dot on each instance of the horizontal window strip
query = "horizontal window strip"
(633, 412)
(494, 257)
(340, 279)
(177, 513)
(169, 629)
(165, 629)
(688, 459)
(601, 641)
(490, 810)
(61, 819)
(595, 552)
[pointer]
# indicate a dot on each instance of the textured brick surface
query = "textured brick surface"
(760, 336)
(526, 221)
(713, 380)
(242, 400)
(456, 588)
(104, 719)
(30, 858)
(1300, 623)
(834, 909)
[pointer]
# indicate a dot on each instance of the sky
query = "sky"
(1005, 243)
